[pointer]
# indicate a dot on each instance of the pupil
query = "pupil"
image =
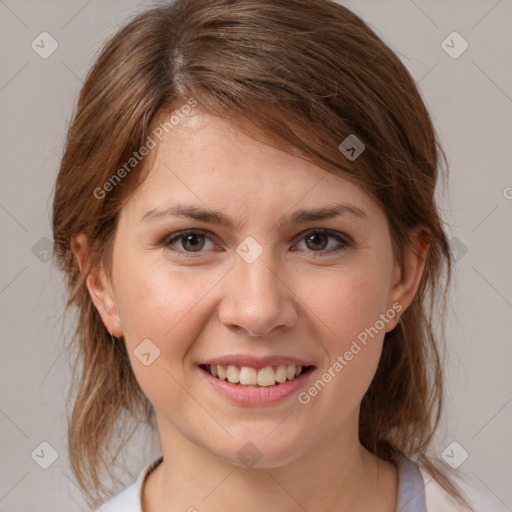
(193, 239)
(317, 238)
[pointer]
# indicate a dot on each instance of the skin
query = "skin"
(291, 300)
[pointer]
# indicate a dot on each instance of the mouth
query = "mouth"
(268, 376)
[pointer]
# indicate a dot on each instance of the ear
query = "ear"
(100, 289)
(407, 277)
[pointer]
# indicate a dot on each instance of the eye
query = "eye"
(190, 241)
(317, 240)
(194, 241)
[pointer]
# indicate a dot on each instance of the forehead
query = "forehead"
(208, 162)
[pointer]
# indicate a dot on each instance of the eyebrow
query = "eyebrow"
(217, 217)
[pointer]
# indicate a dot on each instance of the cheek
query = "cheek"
(161, 304)
(348, 306)
(346, 302)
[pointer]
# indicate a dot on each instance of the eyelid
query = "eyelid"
(173, 237)
(342, 238)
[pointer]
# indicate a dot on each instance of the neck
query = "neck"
(335, 475)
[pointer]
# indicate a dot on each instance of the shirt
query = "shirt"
(417, 492)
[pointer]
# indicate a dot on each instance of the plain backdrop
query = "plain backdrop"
(470, 98)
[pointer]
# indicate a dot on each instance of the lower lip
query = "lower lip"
(256, 395)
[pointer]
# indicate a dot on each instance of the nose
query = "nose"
(257, 301)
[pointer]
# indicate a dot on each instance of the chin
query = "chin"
(261, 451)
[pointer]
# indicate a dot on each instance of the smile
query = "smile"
(249, 376)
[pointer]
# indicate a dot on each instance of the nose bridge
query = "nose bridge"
(258, 279)
(255, 299)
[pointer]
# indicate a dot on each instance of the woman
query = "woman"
(245, 214)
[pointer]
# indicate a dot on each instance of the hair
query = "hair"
(300, 75)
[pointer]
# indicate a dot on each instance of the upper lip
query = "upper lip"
(256, 362)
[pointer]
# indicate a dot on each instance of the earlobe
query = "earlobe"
(407, 277)
(98, 285)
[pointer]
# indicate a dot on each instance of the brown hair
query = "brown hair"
(301, 75)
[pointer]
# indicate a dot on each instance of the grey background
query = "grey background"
(470, 98)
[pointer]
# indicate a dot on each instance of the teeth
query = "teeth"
(281, 373)
(248, 376)
(233, 373)
(221, 372)
(266, 376)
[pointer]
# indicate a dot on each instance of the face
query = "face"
(264, 288)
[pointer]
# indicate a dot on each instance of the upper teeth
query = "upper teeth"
(248, 376)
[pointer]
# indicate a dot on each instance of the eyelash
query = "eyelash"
(170, 239)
